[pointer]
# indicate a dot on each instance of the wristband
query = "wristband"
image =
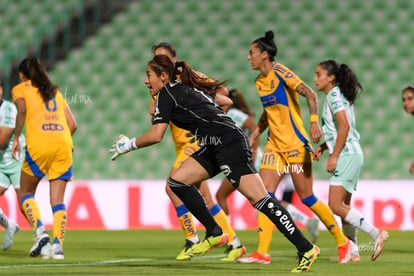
(133, 143)
(314, 118)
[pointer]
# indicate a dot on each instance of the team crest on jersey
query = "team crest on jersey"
(289, 75)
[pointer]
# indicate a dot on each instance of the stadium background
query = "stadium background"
(97, 51)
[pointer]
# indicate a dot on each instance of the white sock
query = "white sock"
(194, 239)
(40, 230)
(4, 221)
(296, 214)
(357, 220)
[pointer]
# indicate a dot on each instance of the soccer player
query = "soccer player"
(242, 115)
(49, 129)
(288, 148)
(408, 106)
(189, 104)
(341, 86)
(185, 145)
(9, 167)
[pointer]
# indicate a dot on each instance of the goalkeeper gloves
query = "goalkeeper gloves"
(122, 146)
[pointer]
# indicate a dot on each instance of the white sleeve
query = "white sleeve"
(8, 113)
(237, 116)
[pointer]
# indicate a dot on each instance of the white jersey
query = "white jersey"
(8, 113)
(238, 116)
(335, 102)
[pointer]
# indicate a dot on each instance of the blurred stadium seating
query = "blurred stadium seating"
(103, 79)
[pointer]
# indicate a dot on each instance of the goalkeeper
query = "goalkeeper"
(190, 105)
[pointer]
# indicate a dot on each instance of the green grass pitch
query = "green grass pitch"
(152, 252)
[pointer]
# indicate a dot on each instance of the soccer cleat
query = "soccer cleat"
(55, 252)
(306, 259)
(45, 252)
(208, 244)
(344, 252)
(9, 235)
(355, 257)
(255, 258)
(378, 244)
(184, 254)
(233, 254)
(39, 242)
(312, 228)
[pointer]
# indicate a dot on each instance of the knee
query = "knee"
(174, 184)
(168, 188)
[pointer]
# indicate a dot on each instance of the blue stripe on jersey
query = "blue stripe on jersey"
(277, 97)
(300, 136)
(33, 166)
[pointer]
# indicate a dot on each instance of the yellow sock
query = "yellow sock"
(32, 213)
(186, 221)
(222, 220)
(59, 223)
(325, 214)
(264, 228)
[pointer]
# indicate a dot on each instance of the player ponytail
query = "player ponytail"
(191, 78)
(162, 63)
(33, 70)
(267, 43)
(345, 78)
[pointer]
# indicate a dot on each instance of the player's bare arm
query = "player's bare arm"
(312, 100)
(311, 97)
(263, 123)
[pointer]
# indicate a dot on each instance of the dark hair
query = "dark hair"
(162, 63)
(266, 43)
(409, 88)
(239, 102)
(345, 78)
(167, 46)
(33, 70)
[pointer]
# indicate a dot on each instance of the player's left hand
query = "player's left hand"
(315, 132)
(122, 145)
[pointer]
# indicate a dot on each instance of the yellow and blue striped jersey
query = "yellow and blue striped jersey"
(279, 98)
(45, 122)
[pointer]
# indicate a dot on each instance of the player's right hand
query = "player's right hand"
(122, 145)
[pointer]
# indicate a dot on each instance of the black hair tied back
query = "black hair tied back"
(269, 35)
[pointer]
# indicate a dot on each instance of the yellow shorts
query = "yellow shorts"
(55, 161)
(285, 162)
(184, 152)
